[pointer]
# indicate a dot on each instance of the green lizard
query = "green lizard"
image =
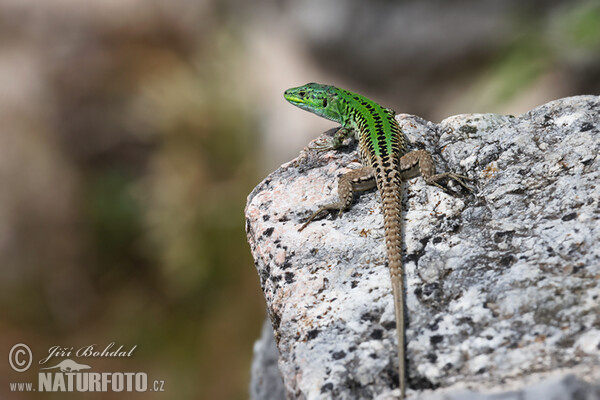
(383, 152)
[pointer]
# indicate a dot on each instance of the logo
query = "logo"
(69, 375)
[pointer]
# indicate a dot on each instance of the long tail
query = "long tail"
(391, 196)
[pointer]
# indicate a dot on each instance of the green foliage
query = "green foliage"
(520, 66)
(582, 25)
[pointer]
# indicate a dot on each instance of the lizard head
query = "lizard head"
(316, 98)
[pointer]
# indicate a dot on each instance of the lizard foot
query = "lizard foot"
(433, 180)
(323, 145)
(329, 207)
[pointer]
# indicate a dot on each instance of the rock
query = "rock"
(265, 381)
(503, 285)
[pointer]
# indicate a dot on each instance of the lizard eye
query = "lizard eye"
(324, 102)
(302, 93)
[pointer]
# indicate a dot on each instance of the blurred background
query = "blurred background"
(132, 131)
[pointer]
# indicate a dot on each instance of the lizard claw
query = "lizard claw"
(459, 179)
(329, 207)
(433, 180)
(309, 220)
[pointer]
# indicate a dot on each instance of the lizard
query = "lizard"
(386, 161)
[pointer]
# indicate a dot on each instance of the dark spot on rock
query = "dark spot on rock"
(421, 383)
(436, 240)
(338, 355)
(566, 343)
(283, 218)
(286, 265)
(314, 251)
(503, 236)
(289, 277)
(452, 225)
(389, 325)
(434, 326)
(507, 260)
(577, 268)
(328, 387)
(373, 356)
(432, 357)
(413, 257)
(392, 374)
(353, 284)
(481, 371)
(430, 288)
(352, 348)
(353, 385)
(489, 337)
(369, 316)
(377, 334)
(586, 126)
(467, 129)
(266, 217)
(448, 367)
(436, 339)
(587, 162)
(312, 334)
(569, 217)
(418, 292)
(275, 320)
(268, 231)
(516, 191)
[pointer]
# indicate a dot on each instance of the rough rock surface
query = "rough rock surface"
(265, 381)
(503, 285)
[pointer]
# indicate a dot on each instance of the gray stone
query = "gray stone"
(503, 285)
(265, 380)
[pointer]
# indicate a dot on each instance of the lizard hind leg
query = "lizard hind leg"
(420, 162)
(354, 181)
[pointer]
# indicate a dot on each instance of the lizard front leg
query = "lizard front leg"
(354, 181)
(420, 162)
(331, 144)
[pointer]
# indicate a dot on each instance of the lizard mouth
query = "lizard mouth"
(293, 98)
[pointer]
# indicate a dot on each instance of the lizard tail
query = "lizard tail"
(392, 218)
